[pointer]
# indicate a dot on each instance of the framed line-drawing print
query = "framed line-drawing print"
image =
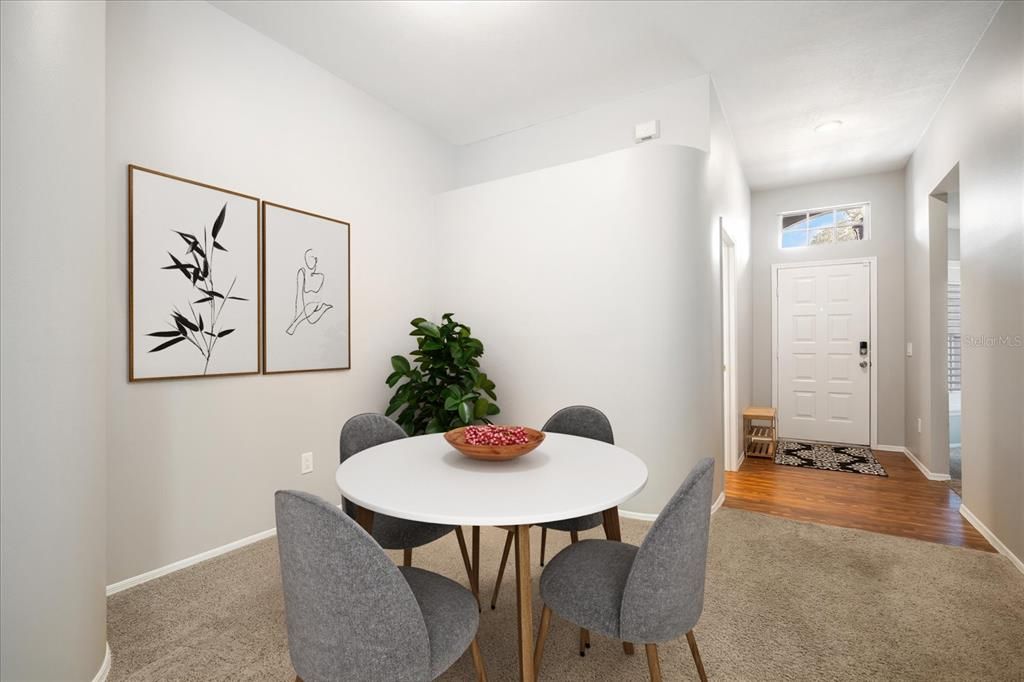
(306, 318)
(193, 288)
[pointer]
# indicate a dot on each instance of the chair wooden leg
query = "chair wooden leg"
(407, 556)
(692, 641)
(584, 636)
(501, 567)
(574, 537)
(478, 661)
(652, 662)
(543, 543)
(476, 566)
(545, 622)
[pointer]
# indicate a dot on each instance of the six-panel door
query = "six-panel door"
(824, 382)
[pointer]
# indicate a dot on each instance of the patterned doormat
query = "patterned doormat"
(851, 458)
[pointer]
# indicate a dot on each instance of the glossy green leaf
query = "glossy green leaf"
(399, 363)
(480, 408)
(429, 328)
(465, 412)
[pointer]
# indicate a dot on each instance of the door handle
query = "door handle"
(863, 363)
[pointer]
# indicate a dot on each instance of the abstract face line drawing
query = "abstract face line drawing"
(308, 281)
(201, 333)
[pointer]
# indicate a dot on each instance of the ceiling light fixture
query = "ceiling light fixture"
(828, 126)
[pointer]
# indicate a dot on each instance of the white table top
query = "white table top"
(424, 479)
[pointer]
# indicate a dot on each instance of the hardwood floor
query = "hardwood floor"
(905, 504)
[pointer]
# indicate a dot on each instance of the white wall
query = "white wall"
(193, 92)
(588, 284)
(980, 126)
(729, 197)
(682, 109)
(885, 191)
(53, 345)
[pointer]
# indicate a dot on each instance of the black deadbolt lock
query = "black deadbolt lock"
(863, 347)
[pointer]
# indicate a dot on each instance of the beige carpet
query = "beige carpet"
(785, 601)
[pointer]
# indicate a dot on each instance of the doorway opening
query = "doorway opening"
(944, 234)
(730, 399)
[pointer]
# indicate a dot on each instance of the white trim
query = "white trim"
(918, 463)
(641, 516)
(262, 535)
(101, 674)
(189, 561)
(872, 262)
(730, 351)
(991, 537)
(955, 445)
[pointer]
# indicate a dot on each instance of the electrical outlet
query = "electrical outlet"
(307, 462)
(919, 425)
(910, 349)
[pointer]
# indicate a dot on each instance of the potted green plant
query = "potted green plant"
(443, 387)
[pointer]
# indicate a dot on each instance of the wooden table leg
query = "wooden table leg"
(476, 564)
(364, 517)
(612, 531)
(524, 598)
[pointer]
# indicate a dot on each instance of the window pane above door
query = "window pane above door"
(814, 227)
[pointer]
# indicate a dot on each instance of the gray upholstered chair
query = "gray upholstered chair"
(651, 593)
(578, 420)
(365, 431)
(352, 614)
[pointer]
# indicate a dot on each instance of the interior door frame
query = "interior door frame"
(872, 263)
(733, 456)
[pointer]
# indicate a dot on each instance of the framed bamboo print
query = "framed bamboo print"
(193, 261)
(306, 321)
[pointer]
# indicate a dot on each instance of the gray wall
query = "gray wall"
(53, 342)
(885, 191)
(980, 128)
(194, 92)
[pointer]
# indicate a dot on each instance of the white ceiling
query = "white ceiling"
(472, 70)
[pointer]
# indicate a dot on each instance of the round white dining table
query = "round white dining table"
(424, 479)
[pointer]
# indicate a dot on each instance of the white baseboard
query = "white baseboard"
(918, 463)
(642, 516)
(639, 516)
(991, 537)
(101, 674)
(262, 535)
(954, 445)
(189, 561)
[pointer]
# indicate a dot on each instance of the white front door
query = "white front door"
(824, 380)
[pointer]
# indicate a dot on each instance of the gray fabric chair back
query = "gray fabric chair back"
(664, 593)
(350, 613)
(364, 431)
(583, 421)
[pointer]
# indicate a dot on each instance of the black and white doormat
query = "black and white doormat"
(852, 458)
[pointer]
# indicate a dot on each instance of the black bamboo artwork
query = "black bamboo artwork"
(308, 283)
(198, 266)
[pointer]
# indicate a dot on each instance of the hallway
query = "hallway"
(905, 504)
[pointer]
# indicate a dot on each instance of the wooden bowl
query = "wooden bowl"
(493, 453)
